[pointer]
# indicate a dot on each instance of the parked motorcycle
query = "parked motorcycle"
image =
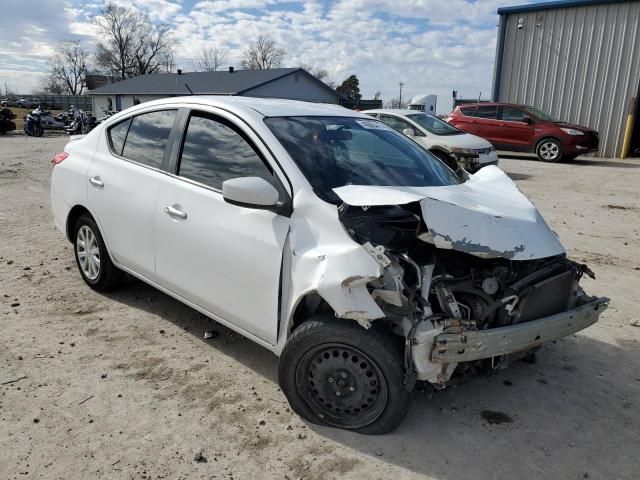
(32, 124)
(82, 123)
(6, 123)
(48, 121)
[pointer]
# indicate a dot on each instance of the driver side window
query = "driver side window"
(214, 151)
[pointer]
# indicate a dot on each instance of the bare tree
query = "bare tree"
(49, 86)
(210, 59)
(320, 73)
(130, 44)
(395, 103)
(67, 69)
(263, 54)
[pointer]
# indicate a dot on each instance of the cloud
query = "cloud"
(432, 46)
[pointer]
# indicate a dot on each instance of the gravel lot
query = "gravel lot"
(125, 386)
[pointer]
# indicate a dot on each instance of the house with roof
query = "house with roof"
(289, 83)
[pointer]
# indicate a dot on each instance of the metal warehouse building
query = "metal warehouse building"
(577, 60)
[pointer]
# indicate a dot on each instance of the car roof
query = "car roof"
(491, 104)
(397, 111)
(267, 107)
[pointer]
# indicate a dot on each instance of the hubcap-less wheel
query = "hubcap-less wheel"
(342, 385)
(549, 151)
(88, 252)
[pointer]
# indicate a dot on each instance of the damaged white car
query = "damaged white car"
(325, 236)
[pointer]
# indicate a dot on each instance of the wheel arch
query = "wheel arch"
(547, 137)
(72, 217)
(74, 214)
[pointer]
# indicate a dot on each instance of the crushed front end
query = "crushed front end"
(462, 303)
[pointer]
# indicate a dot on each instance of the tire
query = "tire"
(446, 159)
(549, 150)
(86, 236)
(336, 373)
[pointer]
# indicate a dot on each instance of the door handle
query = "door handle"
(96, 182)
(174, 212)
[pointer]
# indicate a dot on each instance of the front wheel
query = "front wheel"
(549, 150)
(448, 160)
(336, 373)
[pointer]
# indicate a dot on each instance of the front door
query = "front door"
(118, 103)
(222, 257)
(515, 129)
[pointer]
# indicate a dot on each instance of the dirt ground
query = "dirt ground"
(125, 386)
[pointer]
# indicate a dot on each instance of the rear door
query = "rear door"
(124, 179)
(514, 130)
(222, 257)
(486, 124)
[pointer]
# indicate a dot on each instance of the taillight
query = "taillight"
(59, 158)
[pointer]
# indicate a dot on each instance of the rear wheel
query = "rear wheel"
(336, 373)
(549, 150)
(93, 260)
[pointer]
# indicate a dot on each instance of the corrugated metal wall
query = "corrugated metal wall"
(580, 64)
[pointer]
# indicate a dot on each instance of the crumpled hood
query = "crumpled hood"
(487, 216)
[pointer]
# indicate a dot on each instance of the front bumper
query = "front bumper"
(476, 345)
(474, 162)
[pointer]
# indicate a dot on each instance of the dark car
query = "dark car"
(526, 129)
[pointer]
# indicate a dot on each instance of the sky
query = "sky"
(432, 46)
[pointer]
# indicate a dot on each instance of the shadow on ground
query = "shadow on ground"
(584, 161)
(572, 420)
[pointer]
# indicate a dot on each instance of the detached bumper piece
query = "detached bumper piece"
(476, 345)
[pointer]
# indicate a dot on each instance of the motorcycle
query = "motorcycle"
(48, 121)
(6, 123)
(82, 123)
(32, 124)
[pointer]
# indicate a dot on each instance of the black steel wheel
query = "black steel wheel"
(336, 373)
(344, 387)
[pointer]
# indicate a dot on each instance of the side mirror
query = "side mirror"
(409, 132)
(250, 192)
(527, 120)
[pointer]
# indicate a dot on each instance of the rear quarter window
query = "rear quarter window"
(117, 135)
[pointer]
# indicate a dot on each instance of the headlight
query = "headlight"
(572, 131)
(463, 151)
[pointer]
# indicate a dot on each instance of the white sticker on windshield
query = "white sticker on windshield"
(372, 125)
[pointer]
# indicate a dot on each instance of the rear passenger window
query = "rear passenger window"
(117, 134)
(148, 136)
(486, 112)
(213, 152)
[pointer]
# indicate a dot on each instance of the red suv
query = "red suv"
(526, 129)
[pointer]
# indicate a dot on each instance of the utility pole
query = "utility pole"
(400, 102)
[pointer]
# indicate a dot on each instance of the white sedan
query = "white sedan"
(445, 141)
(325, 236)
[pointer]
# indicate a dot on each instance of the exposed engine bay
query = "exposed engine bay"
(442, 297)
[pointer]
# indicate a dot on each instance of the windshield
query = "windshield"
(335, 151)
(434, 124)
(540, 114)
